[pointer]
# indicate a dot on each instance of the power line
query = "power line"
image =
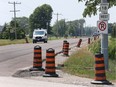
(57, 14)
(14, 4)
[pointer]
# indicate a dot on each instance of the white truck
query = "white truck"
(40, 35)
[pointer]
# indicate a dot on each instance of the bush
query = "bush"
(112, 48)
(113, 34)
(95, 47)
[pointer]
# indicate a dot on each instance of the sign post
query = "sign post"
(103, 29)
(103, 57)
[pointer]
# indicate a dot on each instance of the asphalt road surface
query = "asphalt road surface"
(14, 57)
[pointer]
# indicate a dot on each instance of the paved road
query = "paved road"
(13, 57)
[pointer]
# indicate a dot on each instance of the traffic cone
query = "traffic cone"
(79, 43)
(100, 76)
(66, 49)
(88, 40)
(37, 62)
(94, 37)
(50, 64)
(65, 41)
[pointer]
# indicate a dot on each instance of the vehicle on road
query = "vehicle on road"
(40, 35)
(96, 34)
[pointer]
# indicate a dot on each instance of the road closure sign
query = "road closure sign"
(102, 27)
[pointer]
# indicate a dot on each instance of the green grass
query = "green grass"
(8, 42)
(21, 41)
(81, 63)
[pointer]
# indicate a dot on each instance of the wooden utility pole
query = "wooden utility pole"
(14, 4)
(57, 14)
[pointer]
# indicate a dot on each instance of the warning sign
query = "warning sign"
(102, 26)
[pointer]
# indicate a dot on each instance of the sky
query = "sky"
(69, 9)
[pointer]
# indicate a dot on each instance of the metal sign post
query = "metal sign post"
(103, 25)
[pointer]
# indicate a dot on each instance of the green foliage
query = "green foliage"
(95, 47)
(9, 42)
(5, 32)
(72, 28)
(109, 28)
(23, 23)
(113, 33)
(92, 6)
(22, 28)
(41, 18)
(81, 63)
(90, 30)
(59, 29)
(112, 48)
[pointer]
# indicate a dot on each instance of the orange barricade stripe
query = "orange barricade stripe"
(50, 54)
(100, 71)
(37, 50)
(50, 65)
(50, 60)
(37, 60)
(99, 59)
(37, 55)
(99, 65)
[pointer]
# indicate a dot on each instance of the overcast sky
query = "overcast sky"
(69, 10)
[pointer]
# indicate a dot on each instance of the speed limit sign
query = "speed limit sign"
(102, 27)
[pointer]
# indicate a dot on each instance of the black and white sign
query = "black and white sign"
(104, 7)
(102, 27)
(103, 17)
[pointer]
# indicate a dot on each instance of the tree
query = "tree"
(89, 30)
(110, 25)
(92, 6)
(23, 24)
(113, 34)
(73, 27)
(5, 32)
(60, 28)
(41, 18)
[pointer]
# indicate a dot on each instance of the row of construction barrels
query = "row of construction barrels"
(100, 76)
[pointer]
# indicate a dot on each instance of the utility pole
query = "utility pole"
(103, 29)
(14, 4)
(57, 14)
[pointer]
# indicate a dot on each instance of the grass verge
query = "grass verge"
(21, 41)
(81, 63)
(8, 42)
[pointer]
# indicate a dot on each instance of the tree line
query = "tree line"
(41, 18)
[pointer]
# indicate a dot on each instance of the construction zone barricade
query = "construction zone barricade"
(89, 40)
(79, 43)
(95, 37)
(100, 75)
(65, 41)
(50, 64)
(37, 61)
(66, 49)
